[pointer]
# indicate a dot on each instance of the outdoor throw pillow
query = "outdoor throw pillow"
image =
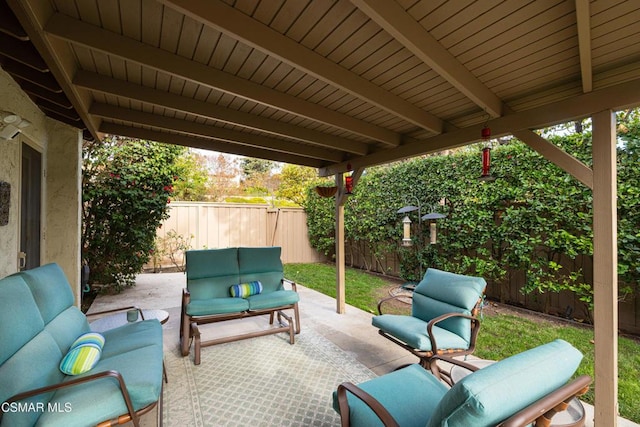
(83, 354)
(244, 290)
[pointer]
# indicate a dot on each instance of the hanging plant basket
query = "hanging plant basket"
(326, 191)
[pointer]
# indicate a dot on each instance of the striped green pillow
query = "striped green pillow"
(244, 290)
(83, 354)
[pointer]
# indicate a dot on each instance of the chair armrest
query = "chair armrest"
(382, 301)
(369, 400)
(544, 409)
(441, 374)
(78, 381)
(475, 328)
(115, 310)
(292, 283)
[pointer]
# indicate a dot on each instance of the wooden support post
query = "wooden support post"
(340, 259)
(605, 269)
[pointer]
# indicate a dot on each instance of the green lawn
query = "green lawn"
(496, 340)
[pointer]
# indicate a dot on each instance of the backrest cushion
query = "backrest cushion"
(261, 264)
(20, 318)
(210, 272)
(492, 394)
(52, 293)
(442, 292)
(50, 288)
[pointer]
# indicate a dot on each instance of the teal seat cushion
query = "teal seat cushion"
(410, 395)
(490, 395)
(34, 365)
(272, 299)
(131, 336)
(213, 306)
(413, 332)
(141, 369)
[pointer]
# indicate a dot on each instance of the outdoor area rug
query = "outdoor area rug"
(261, 381)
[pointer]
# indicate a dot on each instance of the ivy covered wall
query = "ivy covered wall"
(528, 232)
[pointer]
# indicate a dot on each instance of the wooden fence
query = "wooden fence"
(222, 225)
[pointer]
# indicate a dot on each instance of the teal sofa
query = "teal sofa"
(527, 389)
(212, 277)
(38, 324)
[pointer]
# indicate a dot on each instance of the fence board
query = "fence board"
(221, 225)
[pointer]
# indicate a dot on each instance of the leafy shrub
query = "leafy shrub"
(126, 185)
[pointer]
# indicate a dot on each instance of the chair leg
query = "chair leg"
(297, 317)
(196, 348)
(185, 335)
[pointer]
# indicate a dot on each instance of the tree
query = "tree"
(224, 172)
(294, 181)
(258, 176)
(126, 185)
(194, 177)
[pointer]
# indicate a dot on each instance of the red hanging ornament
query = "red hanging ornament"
(348, 184)
(486, 132)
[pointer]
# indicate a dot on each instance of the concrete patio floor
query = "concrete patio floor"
(352, 331)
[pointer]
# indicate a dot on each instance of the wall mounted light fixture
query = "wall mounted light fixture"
(11, 125)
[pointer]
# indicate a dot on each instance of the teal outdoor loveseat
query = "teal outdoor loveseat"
(234, 283)
(39, 330)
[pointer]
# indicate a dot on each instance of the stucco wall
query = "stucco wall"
(60, 146)
(14, 100)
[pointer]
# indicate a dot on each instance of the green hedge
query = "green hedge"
(529, 219)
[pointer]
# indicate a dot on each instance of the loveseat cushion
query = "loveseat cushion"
(141, 369)
(410, 387)
(35, 365)
(19, 322)
(492, 394)
(210, 272)
(50, 288)
(131, 336)
(413, 331)
(263, 264)
(214, 306)
(267, 300)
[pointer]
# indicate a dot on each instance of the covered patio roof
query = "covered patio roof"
(326, 83)
(339, 85)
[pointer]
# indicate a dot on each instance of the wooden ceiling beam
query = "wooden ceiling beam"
(583, 19)
(217, 14)
(22, 52)
(59, 59)
(106, 85)
(207, 144)
(213, 132)
(80, 33)
(613, 98)
(397, 22)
